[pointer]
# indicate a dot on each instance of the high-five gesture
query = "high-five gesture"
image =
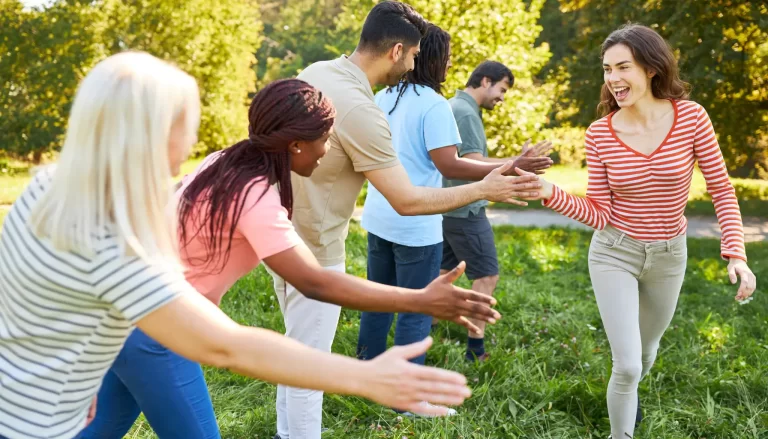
(534, 158)
(501, 188)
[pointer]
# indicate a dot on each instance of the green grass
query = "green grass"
(551, 359)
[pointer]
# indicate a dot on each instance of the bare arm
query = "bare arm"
(452, 166)
(479, 157)
(195, 328)
(407, 199)
(440, 298)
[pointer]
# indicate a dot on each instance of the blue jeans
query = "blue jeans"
(402, 266)
(169, 389)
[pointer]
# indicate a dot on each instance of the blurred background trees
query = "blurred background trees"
(233, 47)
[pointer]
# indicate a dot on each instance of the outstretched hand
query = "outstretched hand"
(500, 188)
(444, 300)
(534, 158)
(397, 383)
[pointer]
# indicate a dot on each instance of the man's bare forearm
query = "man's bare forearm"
(429, 201)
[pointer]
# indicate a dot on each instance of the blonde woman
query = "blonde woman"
(88, 252)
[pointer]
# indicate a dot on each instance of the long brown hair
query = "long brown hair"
(283, 112)
(654, 54)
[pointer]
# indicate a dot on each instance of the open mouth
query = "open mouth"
(621, 93)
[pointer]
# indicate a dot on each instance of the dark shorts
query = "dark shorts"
(470, 240)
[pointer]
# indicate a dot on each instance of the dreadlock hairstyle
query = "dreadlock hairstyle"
(429, 68)
(283, 112)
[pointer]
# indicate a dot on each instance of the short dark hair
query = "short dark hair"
(493, 70)
(389, 23)
(430, 66)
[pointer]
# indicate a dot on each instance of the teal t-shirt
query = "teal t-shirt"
(469, 119)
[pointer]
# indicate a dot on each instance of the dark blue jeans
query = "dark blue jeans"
(402, 266)
(169, 389)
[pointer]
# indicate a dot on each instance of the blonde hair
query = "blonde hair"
(113, 175)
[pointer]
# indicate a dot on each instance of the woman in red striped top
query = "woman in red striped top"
(640, 157)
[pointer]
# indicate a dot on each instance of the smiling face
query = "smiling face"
(404, 61)
(627, 80)
(306, 155)
(494, 93)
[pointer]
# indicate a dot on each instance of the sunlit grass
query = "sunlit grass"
(550, 357)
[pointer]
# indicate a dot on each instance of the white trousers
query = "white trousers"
(313, 323)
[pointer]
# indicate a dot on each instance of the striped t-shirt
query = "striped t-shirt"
(645, 196)
(63, 319)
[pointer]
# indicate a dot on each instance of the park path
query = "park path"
(755, 229)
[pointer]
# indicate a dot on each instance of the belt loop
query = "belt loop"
(621, 238)
(669, 245)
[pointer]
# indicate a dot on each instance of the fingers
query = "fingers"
(456, 273)
(465, 322)
(474, 296)
(504, 168)
(480, 311)
(430, 410)
(543, 148)
(429, 376)
(524, 174)
(526, 146)
(732, 274)
(514, 201)
(412, 350)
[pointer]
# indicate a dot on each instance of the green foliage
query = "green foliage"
(481, 30)
(550, 358)
(46, 53)
(43, 56)
(722, 46)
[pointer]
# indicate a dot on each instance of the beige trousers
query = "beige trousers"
(636, 285)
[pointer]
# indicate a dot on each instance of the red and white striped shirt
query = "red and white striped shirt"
(645, 196)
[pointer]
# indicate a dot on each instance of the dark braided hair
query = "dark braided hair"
(430, 65)
(283, 112)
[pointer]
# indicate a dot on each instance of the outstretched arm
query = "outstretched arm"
(195, 328)
(440, 298)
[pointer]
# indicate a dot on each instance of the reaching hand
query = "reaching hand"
(738, 268)
(507, 189)
(534, 158)
(395, 382)
(446, 301)
(546, 187)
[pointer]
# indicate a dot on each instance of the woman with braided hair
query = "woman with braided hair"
(234, 212)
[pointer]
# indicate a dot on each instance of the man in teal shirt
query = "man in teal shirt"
(467, 234)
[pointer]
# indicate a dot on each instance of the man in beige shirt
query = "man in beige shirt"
(360, 149)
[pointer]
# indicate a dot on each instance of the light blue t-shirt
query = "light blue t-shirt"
(420, 123)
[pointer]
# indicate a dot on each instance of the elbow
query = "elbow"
(313, 284)
(219, 355)
(450, 170)
(408, 207)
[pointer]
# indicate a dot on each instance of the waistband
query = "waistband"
(620, 237)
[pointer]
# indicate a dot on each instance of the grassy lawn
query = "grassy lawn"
(550, 365)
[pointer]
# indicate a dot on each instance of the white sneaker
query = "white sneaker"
(451, 412)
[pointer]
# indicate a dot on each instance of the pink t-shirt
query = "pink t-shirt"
(262, 231)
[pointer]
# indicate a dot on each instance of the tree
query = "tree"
(46, 53)
(484, 30)
(43, 56)
(722, 47)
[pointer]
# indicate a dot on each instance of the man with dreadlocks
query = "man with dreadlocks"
(406, 251)
(360, 148)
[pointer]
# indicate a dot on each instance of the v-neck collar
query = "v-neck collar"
(658, 148)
